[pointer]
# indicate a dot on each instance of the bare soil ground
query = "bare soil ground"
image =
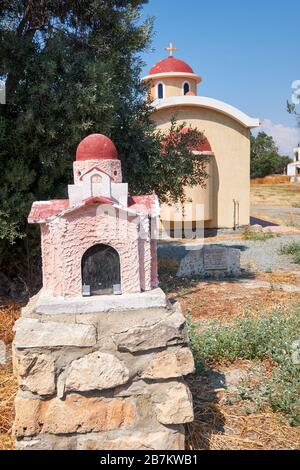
(225, 301)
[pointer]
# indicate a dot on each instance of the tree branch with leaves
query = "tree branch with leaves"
(73, 68)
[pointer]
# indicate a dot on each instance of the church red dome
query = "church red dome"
(171, 65)
(96, 147)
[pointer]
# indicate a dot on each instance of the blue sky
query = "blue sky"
(246, 52)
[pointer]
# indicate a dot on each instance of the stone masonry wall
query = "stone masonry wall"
(106, 381)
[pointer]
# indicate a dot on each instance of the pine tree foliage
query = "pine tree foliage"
(73, 68)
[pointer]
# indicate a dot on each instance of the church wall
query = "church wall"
(230, 142)
(199, 195)
(173, 86)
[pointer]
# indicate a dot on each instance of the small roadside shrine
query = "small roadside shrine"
(99, 239)
(99, 353)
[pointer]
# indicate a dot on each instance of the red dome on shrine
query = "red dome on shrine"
(171, 65)
(96, 147)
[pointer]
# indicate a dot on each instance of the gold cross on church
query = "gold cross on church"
(171, 49)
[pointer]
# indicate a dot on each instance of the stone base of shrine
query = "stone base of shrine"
(43, 303)
(102, 380)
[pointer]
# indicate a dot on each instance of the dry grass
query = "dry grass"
(275, 179)
(230, 300)
(8, 315)
(276, 195)
(8, 384)
(8, 389)
(226, 300)
(222, 426)
(283, 276)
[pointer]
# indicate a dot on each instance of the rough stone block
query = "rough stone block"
(175, 362)
(174, 404)
(170, 331)
(47, 442)
(36, 373)
(76, 414)
(31, 333)
(96, 371)
(133, 389)
(163, 439)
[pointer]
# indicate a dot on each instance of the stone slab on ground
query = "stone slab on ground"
(211, 261)
(255, 255)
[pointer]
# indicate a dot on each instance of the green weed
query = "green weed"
(265, 337)
(254, 235)
(293, 249)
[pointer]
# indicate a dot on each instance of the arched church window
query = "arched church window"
(186, 88)
(160, 91)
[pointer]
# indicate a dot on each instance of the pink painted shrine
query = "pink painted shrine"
(99, 239)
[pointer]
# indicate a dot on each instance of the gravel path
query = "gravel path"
(258, 255)
(286, 214)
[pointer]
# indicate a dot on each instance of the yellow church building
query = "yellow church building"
(226, 197)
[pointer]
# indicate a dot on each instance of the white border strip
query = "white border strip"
(208, 103)
(157, 76)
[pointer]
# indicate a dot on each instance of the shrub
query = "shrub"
(292, 248)
(267, 336)
(254, 235)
